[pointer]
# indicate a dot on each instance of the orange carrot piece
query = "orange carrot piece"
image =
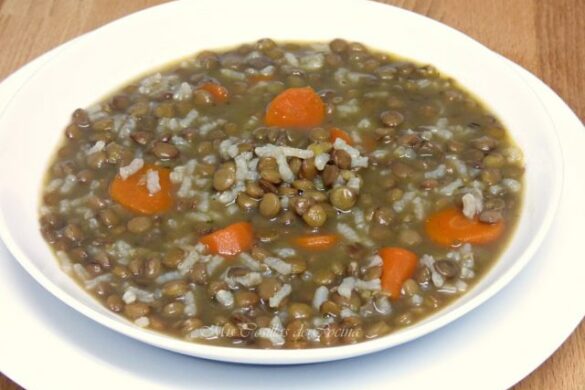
(296, 108)
(399, 265)
(316, 242)
(231, 240)
(220, 93)
(133, 194)
(450, 226)
(335, 133)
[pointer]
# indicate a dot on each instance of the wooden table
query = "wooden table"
(544, 36)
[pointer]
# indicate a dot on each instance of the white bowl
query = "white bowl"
(99, 62)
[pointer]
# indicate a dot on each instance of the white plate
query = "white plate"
(87, 66)
(45, 344)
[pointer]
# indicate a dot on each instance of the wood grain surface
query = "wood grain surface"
(544, 36)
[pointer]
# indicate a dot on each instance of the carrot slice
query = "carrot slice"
(220, 93)
(319, 242)
(335, 133)
(450, 226)
(399, 265)
(297, 108)
(231, 240)
(133, 194)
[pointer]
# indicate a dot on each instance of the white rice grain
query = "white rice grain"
(472, 204)
(437, 173)
(142, 322)
(225, 298)
(183, 92)
(278, 296)
(152, 182)
(285, 252)
(97, 147)
(190, 305)
(249, 261)
(348, 232)
(321, 160)
(130, 169)
(279, 265)
(346, 287)
(450, 188)
(321, 295)
(370, 285)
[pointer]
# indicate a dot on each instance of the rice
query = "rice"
(450, 188)
(142, 322)
(152, 182)
(312, 62)
(224, 297)
(472, 204)
(375, 261)
(92, 283)
(291, 59)
(348, 232)
(212, 265)
(437, 173)
(458, 165)
(249, 261)
(190, 306)
(183, 92)
(185, 266)
(54, 185)
(382, 305)
(419, 206)
(130, 169)
(68, 184)
(429, 261)
(279, 265)
(129, 297)
(242, 165)
(348, 108)
(285, 252)
(416, 300)
(321, 295)
(371, 285)
(168, 276)
(346, 312)
(188, 119)
(313, 335)
(251, 279)
(80, 272)
(512, 185)
(232, 74)
(133, 294)
(278, 296)
(346, 287)
(206, 332)
(97, 147)
(321, 160)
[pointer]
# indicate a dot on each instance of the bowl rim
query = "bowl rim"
(285, 356)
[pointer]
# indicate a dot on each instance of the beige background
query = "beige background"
(544, 36)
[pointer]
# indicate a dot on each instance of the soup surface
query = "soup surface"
(282, 195)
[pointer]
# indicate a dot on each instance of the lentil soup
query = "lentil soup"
(282, 195)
